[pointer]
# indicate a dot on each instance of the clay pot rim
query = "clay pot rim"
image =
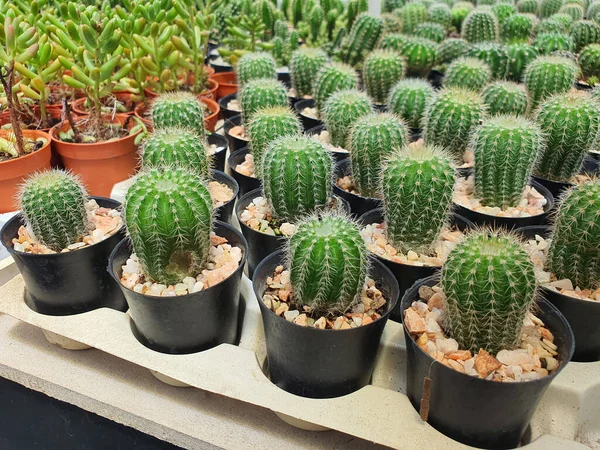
(118, 118)
(75, 107)
(44, 134)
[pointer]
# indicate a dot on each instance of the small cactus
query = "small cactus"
(573, 254)
(549, 7)
(517, 28)
(411, 15)
(168, 213)
(495, 55)
(527, 6)
(593, 11)
(178, 109)
(417, 185)
(585, 32)
(589, 60)
(328, 263)
(419, 54)
(548, 75)
(253, 66)
(432, 31)
(449, 50)
(503, 11)
(332, 78)
(480, 26)
(440, 13)
(372, 140)
(409, 99)
(468, 73)
(547, 43)
(53, 204)
(505, 97)
(261, 93)
(363, 38)
(382, 69)
(519, 56)
(342, 110)
(572, 9)
(459, 12)
(304, 66)
(558, 23)
(393, 41)
(391, 23)
(489, 282)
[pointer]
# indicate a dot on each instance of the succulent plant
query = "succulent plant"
(372, 140)
(549, 7)
(527, 6)
(255, 65)
(440, 13)
(297, 176)
(342, 110)
(503, 11)
(589, 60)
(393, 41)
(548, 75)
(168, 213)
(178, 109)
(468, 73)
(391, 23)
(261, 93)
(432, 31)
(451, 117)
(585, 32)
(328, 263)
(519, 56)
(419, 54)
(547, 43)
(517, 28)
(573, 253)
(53, 204)
(449, 50)
(411, 15)
(382, 69)
(332, 78)
(409, 99)
(417, 185)
(593, 11)
(571, 124)
(505, 97)
(363, 38)
(480, 26)
(489, 282)
(572, 9)
(495, 55)
(459, 12)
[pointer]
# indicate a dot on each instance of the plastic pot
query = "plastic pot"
(219, 156)
(407, 274)
(378, 107)
(235, 143)
(225, 212)
(245, 182)
(283, 75)
(307, 122)
(227, 84)
(221, 67)
(358, 205)
(337, 155)
(554, 187)
(79, 107)
(414, 134)
(436, 78)
(591, 165)
(211, 91)
(293, 101)
(61, 284)
(187, 323)
(476, 412)
(321, 363)
(224, 102)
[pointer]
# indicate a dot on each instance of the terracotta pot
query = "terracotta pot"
(14, 171)
(141, 112)
(124, 97)
(102, 164)
(211, 92)
(227, 84)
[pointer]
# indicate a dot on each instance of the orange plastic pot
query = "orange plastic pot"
(102, 164)
(14, 171)
(227, 84)
(141, 112)
(123, 96)
(211, 92)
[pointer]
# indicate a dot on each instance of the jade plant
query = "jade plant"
(342, 110)
(245, 33)
(252, 66)
(178, 108)
(505, 97)
(363, 38)
(469, 73)
(261, 93)
(449, 50)
(548, 75)
(480, 26)
(305, 63)
(382, 69)
(332, 78)
(409, 99)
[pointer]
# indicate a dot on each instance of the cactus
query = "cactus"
(519, 56)
(468, 73)
(495, 55)
(527, 6)
(548, 75)
(589, 60)
(304, 66)
(440, 13)
(585, 32)
(168, 213)
(419, 54)
(261, 93)
(480, 26)
(53, 204)
(328, 263)
(449, 50)
(571, 123)
(178, 109)
(506, 148)
(432, 31)
(341, 111)
(547, 43)
(409, 100)
(388, 6)
(549, 7)
(485, 3)
(459, 13)
(363, 38)
(391, 23)
(297, 176)
(517, 28)
(503, 11)
(417, 185)
(593, 11)
(393, 41)
(253, 66)
(372, 140)
(572, 9)
(332, 78)
(411, 15)
(489, 282)
(505, 97)
(573, 253)
(382, 69)
(451, 117)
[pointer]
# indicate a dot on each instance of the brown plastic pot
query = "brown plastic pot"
(101, 164)
(210, 122)
(227, 84)
(14, 171)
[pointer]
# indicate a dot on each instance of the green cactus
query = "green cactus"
(468, 73)
(593, 11)
(261, 93)
(317, 15)
(304, 66)
(517, 28)
(420, 55)
(168, 213)
(572, 9)
(393, 41)
(480, 26)
(53, 204)
(332, 78)
(489, 282)
(328, 263)
(391, 23)
(411, 15)
(382, 69)
(503, 11)
(589, 60)
(459, 13)
(363, 38)
(449, 50)
(178, 109)
(253, 66)
(585, 32)
(389, 6)
(372, 140)
(558, 23)
(440, 13)
(485, 3)
(549, 7)
(527, 6)
(573, 253)
(495, 55)
(505, 97)
(341, 111)
(431, 30)
(548, 75)
(297, 176)
(417, 185)
(451, 117)
(547, 43)
(571, 123)
(519, 56)
(409, 99)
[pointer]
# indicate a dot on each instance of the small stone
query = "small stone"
(550, 364)
(437, 300)
(432, 326)
(198, 285)
(181, 289)
(338, 323)
(76, 245)
(546, 334)
(414, 323)
(446, 346)
(98, 235)
(515, 358)
(460, 355)
(366, 319)
(485, 363)
(283, 294)
(345, 325)
(425, 293)
(412, 256)
(321, 323)
(422, 341)
(455, 365)
(291, 315)
(562, 284)
(301, 320)
(156, 289)
(282, 309)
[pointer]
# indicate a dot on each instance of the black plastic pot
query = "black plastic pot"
(321, 363)
(591, 165)
(337, 156)
(436, 78)
(476, 412)
(358, 205)
(245, 183)
(220, 67)
(187, 323)
(407, 274)
(235, 143)
(284, 77)
(225, 112)
(582, 86)
(307, 122)
(415, 134)
(380, 108)
(225, 212)
(62, 284)
(293, 101)
(219, 156)
(554, 187)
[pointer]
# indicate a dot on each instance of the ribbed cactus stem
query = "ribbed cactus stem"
(494, 55)
(517, 28)
(342, 110)
(527, 6)
(549, 7)
(253, 66)
(450, 49)
(547, 43)
(505, 97)
(585, 32)
(480, 26)
(469, 73)
(432, 31)
(440, 13)
(259, 94)
(589, 60)
(549, 75)
(419, 53)
(409, 99)
(382, 69)
(519, 56)
(411, 15)
(178, 109)
(304, 66)
(332, 78)
(363, 38)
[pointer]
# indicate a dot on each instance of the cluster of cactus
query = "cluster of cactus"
(409, 99)
(593, 11)
(330, 79)
(449, 50)
(489, 283)
(169, 214)
(468, 73)
(552, 25)
(382, 69)
(341, 111)
(549, 7)
(178, 109)
(372, 140)
(571, 124)
(549, 75)
(585, 32)
(432, 31)
(284, 45)
(393, 41)
(305, 63)
(416, 186)
(505, 97)
(328, 263)
(519, 56)
(363, 38)
(517, 28)
(573, 254)
(297, 174)
(572, 9)
(547, 43)
(440, 13)
(459, 12)
(419, 54)
(259, 94)
(411, 15)
(495, 55)
(527, 6)
(589, 60)
(480, 26)
(253, 66)
(53, 204)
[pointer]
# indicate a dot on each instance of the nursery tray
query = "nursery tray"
(567, 418)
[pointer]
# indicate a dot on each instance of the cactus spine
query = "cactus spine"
(178, 109)
(382, 69)
(585, 32)
(168, 213)
(253, 66)
(304, 66)
(332, 78)
(391, 23)
(547, 43)
(261, 93)
(589, 60)
(517, 28)
(432, 31)
(342, 110)
(468, 73)
(411, 15)
(548, 75)
(519, 56)
(495, 55)
(409, 99)
(505, 97)
(449, 50)
(363, 38)
(480, 26)
(419, 54)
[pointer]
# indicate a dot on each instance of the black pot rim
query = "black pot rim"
(230, 183)
(569, 298)
(11, 250)
(230, 159)
(240, 267)
(305, 103)
(388, 311)
(231, 119)
(348, 162)
(223, 101)
(219, 148)
(554, 309)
